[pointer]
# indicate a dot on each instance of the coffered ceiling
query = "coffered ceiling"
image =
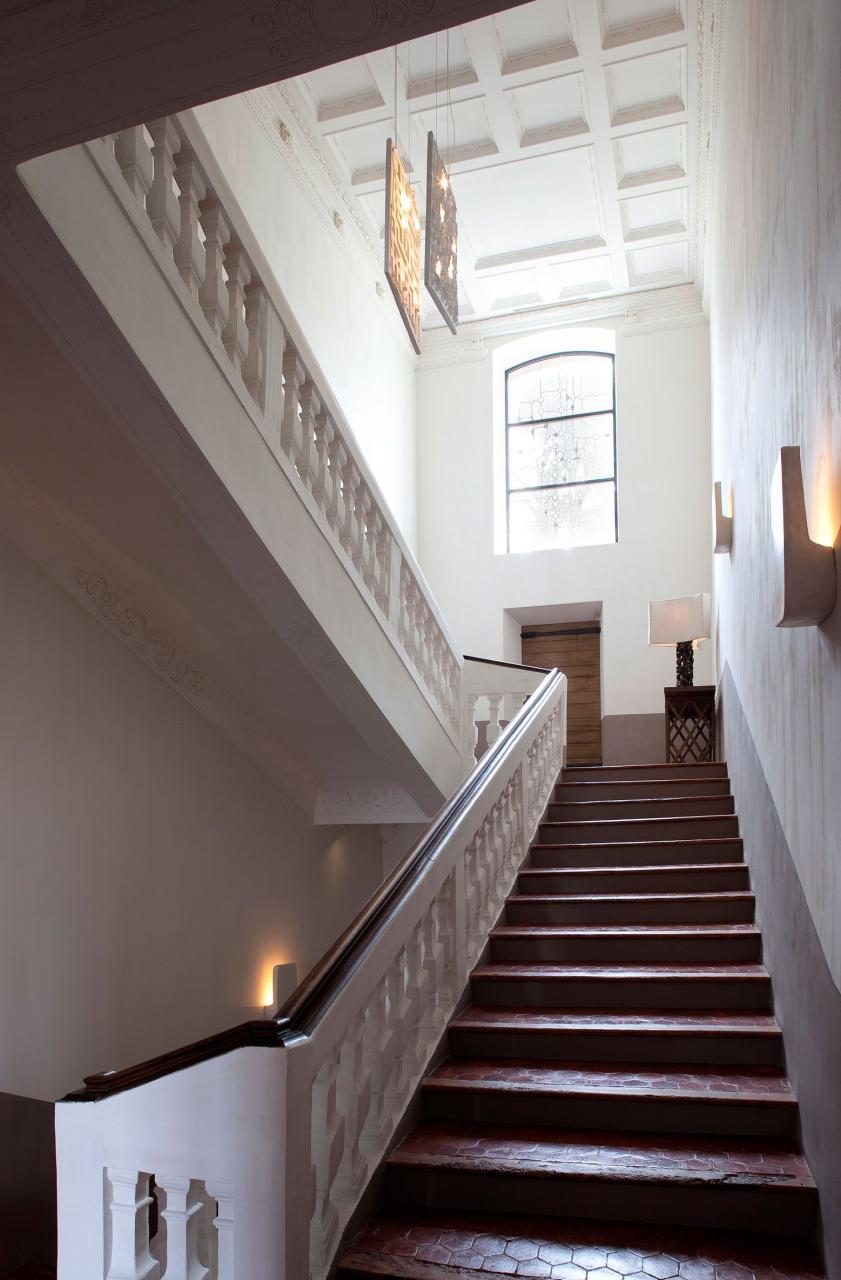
(568, 126)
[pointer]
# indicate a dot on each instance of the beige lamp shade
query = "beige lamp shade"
(672, 622)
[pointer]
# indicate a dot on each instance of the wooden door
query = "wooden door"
(575, 648)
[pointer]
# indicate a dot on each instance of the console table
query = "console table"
(690, 724)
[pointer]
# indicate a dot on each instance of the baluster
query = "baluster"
(350, 483)
(417, 998)
(291, 431)
(472, 727)
(162, 202)
(328, 1132)
(404, 627)
(397, 1090)
(353, 1097)
(224, 1223)
(378, 1053)
(373, 526)
(494, 700)
(307, 464)
(235, 334)
(382, 551)
(338, 461)
(182, 1213)
(213, 294)
(135, 160)
(254, 365)
(129, 1211)
(421, 615)
(362, 506)
(189, 250)
(322, 489)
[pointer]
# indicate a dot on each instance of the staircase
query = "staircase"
(614, 1100)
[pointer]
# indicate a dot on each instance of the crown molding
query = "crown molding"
(712, 16)
(646, 311)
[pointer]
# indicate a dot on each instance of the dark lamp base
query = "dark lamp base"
(685, 671)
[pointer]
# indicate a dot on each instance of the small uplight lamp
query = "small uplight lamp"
(684, 623)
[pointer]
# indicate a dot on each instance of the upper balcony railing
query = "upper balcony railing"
(167, 178)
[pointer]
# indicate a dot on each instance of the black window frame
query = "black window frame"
(566, 417)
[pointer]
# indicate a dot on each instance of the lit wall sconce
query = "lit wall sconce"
(804, 585)
(723, 525)
(283, 983)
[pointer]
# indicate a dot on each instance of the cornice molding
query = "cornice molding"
(648, 311)
(712, 16)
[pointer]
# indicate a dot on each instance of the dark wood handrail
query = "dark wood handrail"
(305, 1007)
(515, 666)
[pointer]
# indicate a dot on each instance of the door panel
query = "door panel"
(576, 649)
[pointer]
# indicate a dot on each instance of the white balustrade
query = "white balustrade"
(492, 693)
(167, 168)
(261, 1155)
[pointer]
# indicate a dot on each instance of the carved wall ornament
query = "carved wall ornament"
(132, 624)
(402, 243)
(440, 268)
(285, 30)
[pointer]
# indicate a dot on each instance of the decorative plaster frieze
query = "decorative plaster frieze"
(367, 806)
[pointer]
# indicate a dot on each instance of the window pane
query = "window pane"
(559, 386)
(582, 516)
(561, 452)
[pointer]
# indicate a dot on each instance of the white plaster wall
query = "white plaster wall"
(775, 307)
(662, 383)
(351, 330)
(150, 875)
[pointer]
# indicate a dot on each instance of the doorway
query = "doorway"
(574, 647)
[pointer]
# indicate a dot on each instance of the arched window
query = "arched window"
(560, 451)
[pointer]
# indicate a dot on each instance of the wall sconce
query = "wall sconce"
(284, 980)
(804, 585)
(722, 524)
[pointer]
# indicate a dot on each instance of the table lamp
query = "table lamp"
(684, 622)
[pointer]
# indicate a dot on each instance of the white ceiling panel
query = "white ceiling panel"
(658, 155)
(533, 35)
(548, 110)
(569, 131)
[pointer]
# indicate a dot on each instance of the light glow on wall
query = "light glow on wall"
(825, 518)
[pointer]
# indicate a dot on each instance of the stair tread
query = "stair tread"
(645, 929)
(445, 1246)
(757, 1085)
(678, 842)
(622, 972)
(616, 1156)
(674, 1021)
(666, 766)
(671, 818)
(710, 895)
(640, 800)
(664, 868)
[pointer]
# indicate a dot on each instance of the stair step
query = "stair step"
(698, 986)
(626, 943)
(568, 810)
(554, 1033)
(426, 1244)
(600, 830)
(716, 877)
(608, 908)
(641, 772)
(642, 788)
(552, 850)
(608, 1095)
(758, 1184)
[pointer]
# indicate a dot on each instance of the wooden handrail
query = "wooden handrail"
(515, 666)
(303, 1010)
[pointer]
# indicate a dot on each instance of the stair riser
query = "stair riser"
(627, 949)
(635, 911)
(778, 1210)
(626, 994)
(598, 831)
(598, 810)
(641, 790)
(666, 881)
(645, 772)
(617, 1046)
(554, 852)
(588, 1111)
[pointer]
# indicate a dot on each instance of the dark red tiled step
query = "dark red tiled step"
(711, 1037)
(757, 1184)
(697, 986)
(609, 1095)
(642, 789)
(641, 772)
(598, 831)
(436, 1245)
(730, 907)
(715, 877)
(626, 944)
(566, 809)
(555, 850)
